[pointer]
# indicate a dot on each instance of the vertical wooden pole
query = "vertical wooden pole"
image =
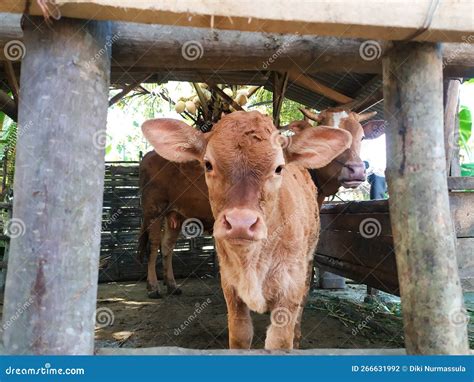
(425, 242)
(51, 283)
(451, 105)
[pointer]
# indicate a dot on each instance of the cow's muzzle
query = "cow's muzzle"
(352, 174)
(240, 226)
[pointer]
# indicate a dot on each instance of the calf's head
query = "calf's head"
(244, 159)
(348, 168)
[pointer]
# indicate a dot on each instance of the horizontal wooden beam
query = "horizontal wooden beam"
(317, 87)
(172, 48)
(458, 183)
(173, 350)
(400, 20)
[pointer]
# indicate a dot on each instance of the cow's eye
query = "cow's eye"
(208, 166)
(362, 138)
(278, 170)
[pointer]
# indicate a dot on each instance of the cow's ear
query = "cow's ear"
(374, 129)
(174, 140)
(316, 147)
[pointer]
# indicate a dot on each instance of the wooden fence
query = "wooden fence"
(121, 220)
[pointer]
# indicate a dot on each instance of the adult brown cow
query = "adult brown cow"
(266, 216)
(169, 192)
(348, 169)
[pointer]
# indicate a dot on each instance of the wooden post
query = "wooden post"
(434, 316)
(51, 285)
(451, 105)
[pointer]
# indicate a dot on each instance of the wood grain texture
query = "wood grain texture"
(53, 263)
(389, 20)
(422, 228)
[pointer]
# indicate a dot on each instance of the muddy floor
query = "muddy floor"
(197, 319)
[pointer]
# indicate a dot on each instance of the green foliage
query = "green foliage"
(289, 109)
(465, 125)
(8, 137)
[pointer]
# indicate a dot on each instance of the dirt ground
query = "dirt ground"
(197, 319)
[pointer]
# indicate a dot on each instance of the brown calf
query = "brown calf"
(170, 192)
(266, 217)
(347, 170)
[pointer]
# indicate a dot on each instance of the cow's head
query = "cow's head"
(348, 168)
(244, 159)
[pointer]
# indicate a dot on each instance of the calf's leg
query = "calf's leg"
(170, 235)
(281, 332)
(154, 232)
(299, 314)
(238, 319)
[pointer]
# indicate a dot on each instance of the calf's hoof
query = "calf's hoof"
(155, 294)
(174, 291)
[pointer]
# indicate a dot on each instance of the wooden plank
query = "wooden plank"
(172, 350)
(375, 278)
(280, 82)
(461, 183)
(380, 222)
(53, 263)
(351, 216)
(250, 51)
(450, 21)
(421, 221)
(317, 87)
(355, 207)
(375, 253)
(462, 212)
(465, 249)
(452, 89)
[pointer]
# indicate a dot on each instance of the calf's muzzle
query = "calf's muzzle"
(240, 224)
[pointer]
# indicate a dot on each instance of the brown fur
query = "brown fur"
(331, 177)
(268, 270)
(170, 193)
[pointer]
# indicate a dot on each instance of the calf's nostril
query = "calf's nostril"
(253, 226)
(227, 225)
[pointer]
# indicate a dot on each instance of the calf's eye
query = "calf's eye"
(208, 166)
(278, 170)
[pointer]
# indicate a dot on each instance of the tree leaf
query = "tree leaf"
(465, 125)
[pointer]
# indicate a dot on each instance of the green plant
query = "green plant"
(289, 109)
(465, 132)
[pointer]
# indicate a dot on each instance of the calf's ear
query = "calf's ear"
(316, 147)
(174, 140)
